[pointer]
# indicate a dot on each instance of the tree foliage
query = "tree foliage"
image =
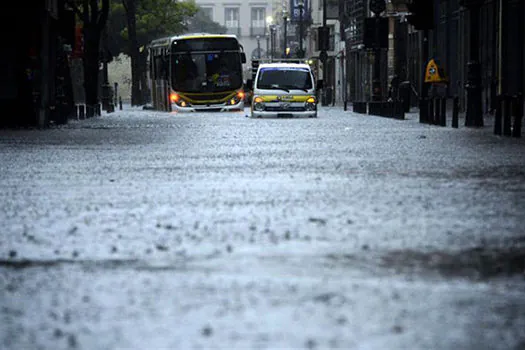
(154, 19)
(201, 22)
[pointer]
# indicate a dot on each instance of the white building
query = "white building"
(249, 20)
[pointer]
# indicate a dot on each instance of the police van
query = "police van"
(285, 88)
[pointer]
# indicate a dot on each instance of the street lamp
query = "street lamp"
(285, 23)
(300, 4)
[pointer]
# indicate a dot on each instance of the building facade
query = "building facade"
(35, 89)
(488, 33)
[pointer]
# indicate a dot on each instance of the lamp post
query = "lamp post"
(300, 53)
(269, 21)
(258, 37)
(285, 23)
(272, 40)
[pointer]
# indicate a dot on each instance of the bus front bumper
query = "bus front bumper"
(222, 107)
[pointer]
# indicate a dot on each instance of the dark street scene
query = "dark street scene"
(298, 174)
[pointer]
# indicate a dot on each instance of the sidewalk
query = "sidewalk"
(487, 128)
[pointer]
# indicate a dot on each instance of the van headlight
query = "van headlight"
(258, 104)
(311, 104)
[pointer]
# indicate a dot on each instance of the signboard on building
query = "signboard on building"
(295, 11)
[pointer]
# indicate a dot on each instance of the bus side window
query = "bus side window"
(164, 68)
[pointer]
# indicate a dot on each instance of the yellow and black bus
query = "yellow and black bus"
(197, 72)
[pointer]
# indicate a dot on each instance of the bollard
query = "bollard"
(437, 110)
(423, 110)
(430, 119)
(507, 115)
(498, 115)
(518, 115)
(443, 116)
(120, 102)
(455, 112)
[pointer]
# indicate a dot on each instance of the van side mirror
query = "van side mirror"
(319, 84)
(249, 84)
(243, 57)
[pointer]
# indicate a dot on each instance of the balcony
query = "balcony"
(254, 31)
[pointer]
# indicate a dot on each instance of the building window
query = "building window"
(231, 20)
(258, 21)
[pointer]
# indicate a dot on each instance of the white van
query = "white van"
(284, 89)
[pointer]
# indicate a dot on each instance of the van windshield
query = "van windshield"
(284, 78)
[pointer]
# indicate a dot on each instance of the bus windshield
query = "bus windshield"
(284, 78)
(206, 71)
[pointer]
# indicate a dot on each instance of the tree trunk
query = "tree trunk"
(91, 71)
(144, 77)
(94, 20)
(131, 11)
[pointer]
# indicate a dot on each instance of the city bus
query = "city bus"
(197, 72)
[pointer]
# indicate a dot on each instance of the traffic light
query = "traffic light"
(421, 14)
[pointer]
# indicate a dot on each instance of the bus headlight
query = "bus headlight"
(238, 97)
(174, 98)
(258, 104)
(311, 104)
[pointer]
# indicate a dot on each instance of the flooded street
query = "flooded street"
(147, 230)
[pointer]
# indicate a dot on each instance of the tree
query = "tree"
(93, 14)
(201, 22)
(145, 20)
